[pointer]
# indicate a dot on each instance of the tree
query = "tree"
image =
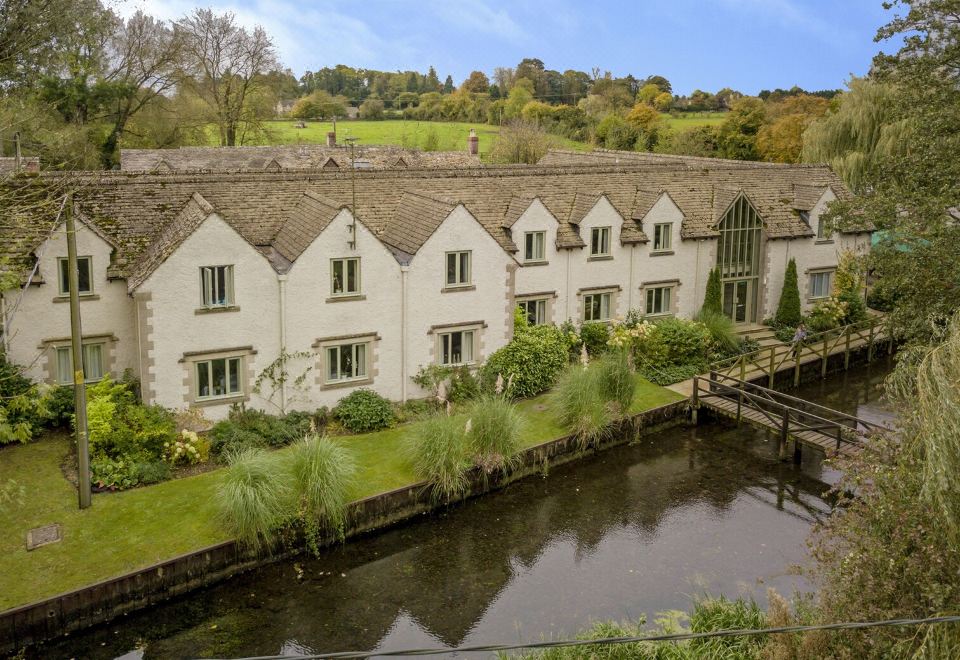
(145, 57)
(696, 141)
(226, 62)
(432, 82)
(867, 126)
(788, 309)
(521, 142)
(780, 140)
(448, 85)
(319, 104)
(712, 301)
(648, 93)
(615, 132)
(519, 96)
(477, 82)
(662, 83)
(663, 101)
(371, 109)
(737, 135)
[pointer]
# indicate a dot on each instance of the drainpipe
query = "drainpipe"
(136, 306)
(403, 333)
(633, 253)
(3, 320)
(696, 277)
(567, 301)
(282, 282)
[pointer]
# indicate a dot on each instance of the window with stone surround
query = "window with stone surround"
(456, 347)
(659, 300)
(346, 362)
(218, 378)
(345, 276)
(535, 310)
(662, 236)
(534, 246)
(216, 286)
(599, 241)
(597, 306)
(820, 283)
(458, 268)
(93, 359)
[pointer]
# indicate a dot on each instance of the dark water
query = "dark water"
(630, 532)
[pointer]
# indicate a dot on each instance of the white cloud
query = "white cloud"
(788, 13)
(478, 16)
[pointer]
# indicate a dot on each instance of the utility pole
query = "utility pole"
(76, 337)
(353, 189)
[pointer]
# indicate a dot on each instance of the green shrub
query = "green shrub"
(671, 373)
(595, 336)
(275, 431)
(228, 437)
(616, 380)
(531, 362)
(253, 496)
(123, 473)
(60, 406)
(121, 428)
(324, 474)
(364, 410)
(153, 472)
(712, 300)
(579, 406)
(881, 297)
(856, 308)
(788, 309)
(430, 377)
(439, 453)
(23, 405)
(683, 341)
(784, 333)
(463, 385)
(414, 409)
(722, 331)
(496, 427)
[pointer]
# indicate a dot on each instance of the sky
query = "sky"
(748, 45)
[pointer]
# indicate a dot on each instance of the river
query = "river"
(627, 533)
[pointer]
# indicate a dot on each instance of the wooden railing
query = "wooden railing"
(772, 359)
(788, 414)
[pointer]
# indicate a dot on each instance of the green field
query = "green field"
(693, 119)
(450, 135)
(132, 529)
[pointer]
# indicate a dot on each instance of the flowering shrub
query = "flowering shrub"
(665, 349)
(187, 449)
(529, 364)
(828, 314)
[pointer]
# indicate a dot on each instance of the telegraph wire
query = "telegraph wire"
(679, 637)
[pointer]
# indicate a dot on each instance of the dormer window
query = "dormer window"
(216, 286)
(823, 231)
(805, 216)
(599, 241)
(345, 276)
(84, 276)
(458, 269)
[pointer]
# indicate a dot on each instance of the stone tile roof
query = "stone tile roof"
(283, 210)
(287, 157)
(310, 216)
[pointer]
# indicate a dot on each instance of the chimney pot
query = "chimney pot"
(331, 138)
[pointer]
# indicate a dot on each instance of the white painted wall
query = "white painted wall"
(539, 278)
(429, 305)
(43, 315)
(311, 317)
(176, 328)
(587, 272)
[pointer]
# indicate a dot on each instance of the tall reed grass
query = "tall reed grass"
(438, 449)
(579, 405)
(496, 427)
(253, 497)
(323, 476)
(616, 380)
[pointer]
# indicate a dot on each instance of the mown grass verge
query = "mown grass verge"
(133, 529)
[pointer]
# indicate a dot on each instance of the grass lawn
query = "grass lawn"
(133, 529)
(688, 120)
(451, 135)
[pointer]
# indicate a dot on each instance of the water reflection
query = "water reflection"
(627, 533)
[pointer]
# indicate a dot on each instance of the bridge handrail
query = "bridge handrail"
(776, 394)
(830, 423)
(865, 324)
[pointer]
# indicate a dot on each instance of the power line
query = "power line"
(680, 637)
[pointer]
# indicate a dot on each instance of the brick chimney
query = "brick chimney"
(331, 138)
(473, 143)
(33, 166)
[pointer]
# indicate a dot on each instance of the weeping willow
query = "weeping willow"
(927, 386)
(863, 130)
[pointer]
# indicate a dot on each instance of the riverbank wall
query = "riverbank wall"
(103, 601)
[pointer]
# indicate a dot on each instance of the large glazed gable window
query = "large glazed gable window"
(92, 363)
(599, 241)
(84, 276)
(218, 378)
(738, 257)
(534, 245)
(345, 276)
(216, 286)
(458, 268)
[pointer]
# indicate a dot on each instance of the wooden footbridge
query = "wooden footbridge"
(791, 418)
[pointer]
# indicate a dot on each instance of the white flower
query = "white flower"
(467, 427)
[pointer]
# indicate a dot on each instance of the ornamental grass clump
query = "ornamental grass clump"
(439, 453)
(722, 330)
(493, 434)
(323, 475)
(579, 405)
(253, 497)
(617, 384)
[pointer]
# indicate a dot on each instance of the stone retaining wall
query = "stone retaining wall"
(103, 601)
